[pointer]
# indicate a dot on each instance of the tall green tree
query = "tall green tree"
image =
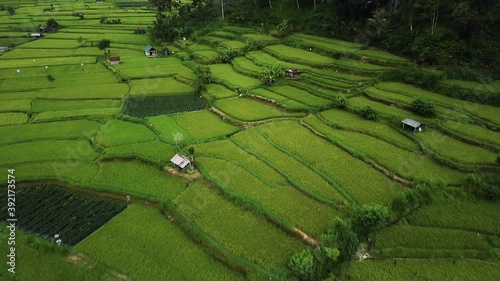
(161, 5)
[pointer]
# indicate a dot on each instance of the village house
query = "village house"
(114, 60)
(150, 52)
(36, 35)
(4, 49)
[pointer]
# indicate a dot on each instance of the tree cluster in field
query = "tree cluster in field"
(9, 10)
(338, 243)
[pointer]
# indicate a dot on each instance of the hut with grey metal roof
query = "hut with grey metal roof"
(412, 124)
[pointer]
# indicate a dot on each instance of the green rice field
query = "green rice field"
(272, 163)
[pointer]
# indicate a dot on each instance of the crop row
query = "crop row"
(50, 210)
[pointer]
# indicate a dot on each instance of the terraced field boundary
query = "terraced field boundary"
(257, 208)
(215, 249)
(311, 167)
(393, 176)
(292, 182)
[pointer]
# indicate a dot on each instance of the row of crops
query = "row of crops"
(70, 215)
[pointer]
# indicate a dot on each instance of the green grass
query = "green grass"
(103, 91)
(77, 172)
(37, 263)
(143, 150)
(430, 238)
(137, 178)
(423, 269)
(287, 202)
(260, 37)
(476, 216)
(117, 132)
(360, 181)
(13, 118)
(199, 47)
(37, 53)
(239, 231)
(233, 44)
(41, 81)
(300, 95)
(159, 86)
(402, 162)
(262, 92)
(46, 43)
(299, 174)
(238, 29)
(392, 97)
(224, 34)
(454, 149)
(40, 105)
(474, 131)
(219, 92)
(246, 66)
(23, 105)
(251, 110)
(206, 56)
(204, 125)
(148, 226)
(350, 121)
(169, 130)
(474, 86)
(298, 55)
(47, 150)
(227, 150)
(14, 64)
(384, 110)
(487, 112)
(225, 74)
(74, 113)
(66, 129)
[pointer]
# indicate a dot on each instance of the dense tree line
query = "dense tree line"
(430, 32)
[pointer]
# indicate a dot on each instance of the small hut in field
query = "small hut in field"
(114, 60)
(150, 52)
(180, 161)
(411, 124)
(292, 73)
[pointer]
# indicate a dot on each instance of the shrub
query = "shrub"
(486, 186)
(411, 74)
(103, 44)
(340, 234)
(368, 218)
(302, 264)
(424, 108)
(368, 112)
(271, 73)
(340, 101)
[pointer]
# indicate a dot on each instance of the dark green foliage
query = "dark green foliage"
(368, 218)
(412, 75)
(465, 73)
(424, 108)
(368, 112)
(161, 5)
(282, 29)
(50, 210)
(167, 27)
(226, 55)
(10, 10)
(340, 101)
(103, 44)
(483, 186)
(412, 199)
(302, 264)
(158, 105)
(203, 76)
(340, 234)
(51, 78)
(52, 25)
(443, 46)
(270, 74)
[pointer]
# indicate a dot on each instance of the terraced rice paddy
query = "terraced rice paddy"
(273, 164)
